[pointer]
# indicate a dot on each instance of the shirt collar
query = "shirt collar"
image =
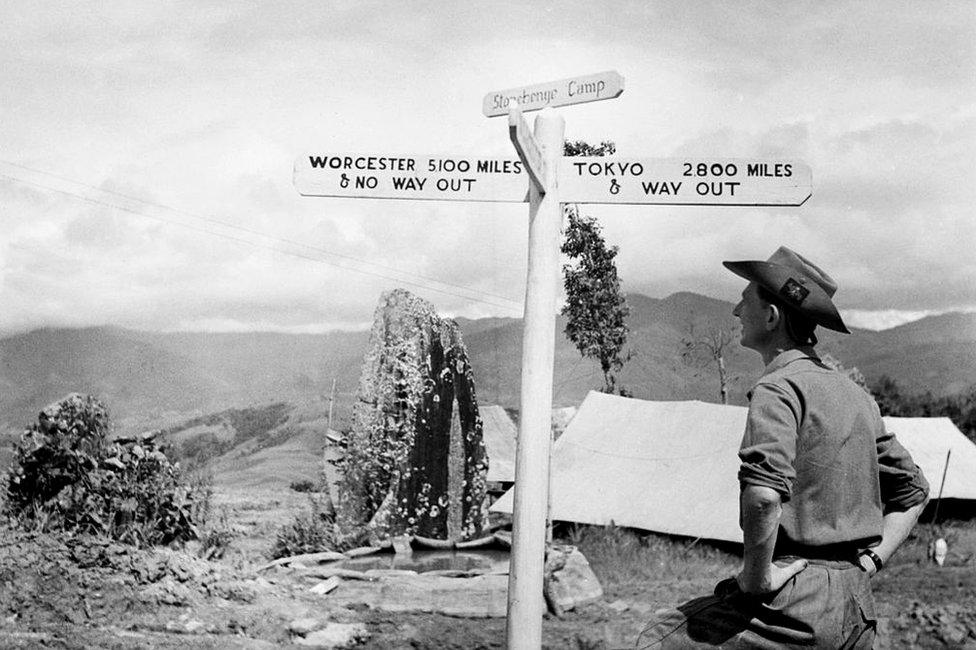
(789, 356)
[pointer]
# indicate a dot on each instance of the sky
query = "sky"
(147, 152)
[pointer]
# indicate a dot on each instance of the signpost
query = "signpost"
(531, 500)
(528, 149)
(385, 176)
(546, 179)
(575, 90)
(684, 181)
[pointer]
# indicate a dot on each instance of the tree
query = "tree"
(710, 346)
(595, 307)
(851, 373)
(582, 148)
(960, 408)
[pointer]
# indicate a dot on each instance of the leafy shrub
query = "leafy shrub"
(216, 539)
(308, 533)
(67, 475)
(302, 486)
(197, 452)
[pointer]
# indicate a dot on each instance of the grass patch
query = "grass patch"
(307, 533)
(628, 561)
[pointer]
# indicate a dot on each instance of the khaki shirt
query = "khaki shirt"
(818, 439)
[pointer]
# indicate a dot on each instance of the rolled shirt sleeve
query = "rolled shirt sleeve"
(768, 451)
(902, 483)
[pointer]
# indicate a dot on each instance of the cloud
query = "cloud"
(203, 107)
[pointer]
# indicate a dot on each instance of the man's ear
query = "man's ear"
(773, 318)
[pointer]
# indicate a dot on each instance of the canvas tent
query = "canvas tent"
(499, 433)
(672, 467)
(929, 440)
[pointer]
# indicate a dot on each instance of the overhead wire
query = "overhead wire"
(418, 281)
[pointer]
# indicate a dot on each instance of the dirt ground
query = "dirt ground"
(80, 592)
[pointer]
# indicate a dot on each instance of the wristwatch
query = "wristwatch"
(874, 557)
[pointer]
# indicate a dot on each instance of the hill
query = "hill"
(153, 380)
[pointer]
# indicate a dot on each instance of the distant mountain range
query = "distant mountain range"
(151, 380)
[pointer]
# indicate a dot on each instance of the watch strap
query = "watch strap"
(874, 557)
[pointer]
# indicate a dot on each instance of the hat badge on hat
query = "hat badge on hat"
(794, 292)
(801, 284)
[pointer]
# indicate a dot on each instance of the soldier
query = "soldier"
(826, 493)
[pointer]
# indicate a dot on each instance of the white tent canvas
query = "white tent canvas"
(499, 433)
(929, 440)
(672, 467)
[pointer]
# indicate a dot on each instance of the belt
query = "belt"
(843, 552)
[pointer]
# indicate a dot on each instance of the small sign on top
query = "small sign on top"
(575, 90)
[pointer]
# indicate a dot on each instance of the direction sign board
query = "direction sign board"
(683, 181)
(386, 176)
(575, 90)
(527, 148)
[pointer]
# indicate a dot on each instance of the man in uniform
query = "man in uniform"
(826, 493)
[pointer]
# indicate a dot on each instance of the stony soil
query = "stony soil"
(79, 592)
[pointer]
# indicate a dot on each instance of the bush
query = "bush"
(216, 539)
(307, 533)
(67, 475)
(302, 486)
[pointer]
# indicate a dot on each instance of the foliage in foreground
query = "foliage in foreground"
(307, 533)
(67, 475)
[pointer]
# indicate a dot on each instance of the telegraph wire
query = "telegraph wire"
(194, 215)
(415, 283)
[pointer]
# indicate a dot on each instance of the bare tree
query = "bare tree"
(703, 347)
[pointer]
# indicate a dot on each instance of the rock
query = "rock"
(953, 634)
(456, 573)
(185, 625)
(260, 584)
(618, 606)
(569, 580)
(168, 592)
(302, 626)
(480, 597)
(644, 609)
(326, 586)
(416, 407)
(388, 573)
(401, 545)
(193, 626)
(239, 590)
(306, 559)
(335, 635)
(246, 643)
(328, 572)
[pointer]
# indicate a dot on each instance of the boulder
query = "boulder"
(415, 460)
(334, 635)
(479, 597)
(569, 580)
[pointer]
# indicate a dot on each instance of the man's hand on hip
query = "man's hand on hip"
(772, 579)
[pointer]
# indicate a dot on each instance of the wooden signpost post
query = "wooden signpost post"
(546, 179)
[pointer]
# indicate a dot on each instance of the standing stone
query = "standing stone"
(407, 470)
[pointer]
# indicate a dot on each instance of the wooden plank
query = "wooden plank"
(410, 176)
(525, 596)
(563, 92)
(684, 181)
(527, 148)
